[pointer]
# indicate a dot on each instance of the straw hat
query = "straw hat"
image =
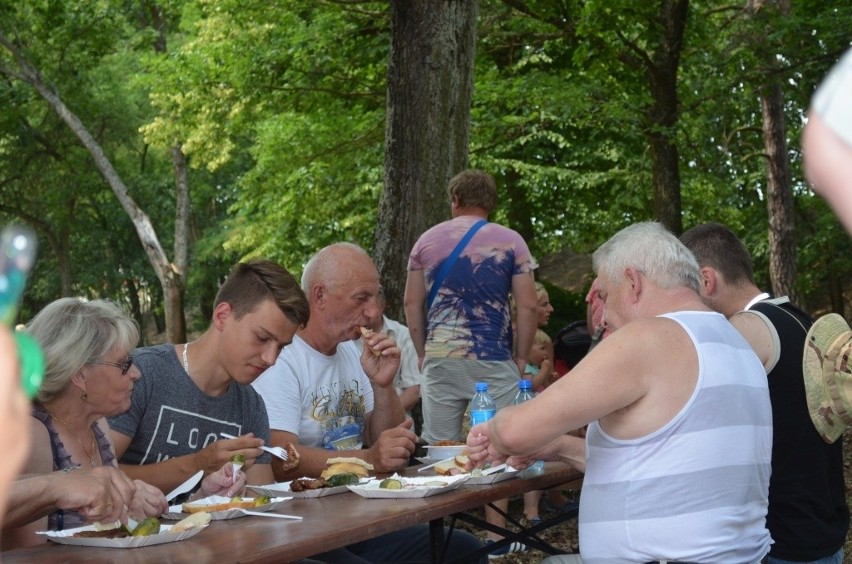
(827, 369)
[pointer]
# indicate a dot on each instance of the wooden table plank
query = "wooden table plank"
(329, 522)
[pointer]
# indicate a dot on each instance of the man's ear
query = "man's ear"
(634, 277)
(709, 282)
(221, 313)
(318, 294)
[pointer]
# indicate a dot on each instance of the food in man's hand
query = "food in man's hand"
(238, 459)
(200, 519)
(346, 465)
(233, 503)
(366, 332)
(448, 443)
(292, 461)
(390, 484)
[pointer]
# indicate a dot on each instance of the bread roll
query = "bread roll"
(365, 332)
(200, 519)
(196, 507)
(452, 467)
(346, 466)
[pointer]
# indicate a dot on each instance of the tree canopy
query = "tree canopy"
(280, 109)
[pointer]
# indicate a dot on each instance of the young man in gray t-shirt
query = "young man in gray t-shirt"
(190, 393)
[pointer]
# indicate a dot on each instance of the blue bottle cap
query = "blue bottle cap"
(482, 386)
(524, 384)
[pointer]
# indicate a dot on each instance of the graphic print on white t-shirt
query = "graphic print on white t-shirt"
(338, 411)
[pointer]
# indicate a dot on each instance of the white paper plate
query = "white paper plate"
(176, 511)
(283, 489)
(164, 536)
(475, 481)
(412, 487)
(506, 474)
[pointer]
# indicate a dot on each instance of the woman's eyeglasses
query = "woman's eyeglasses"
(124, 364)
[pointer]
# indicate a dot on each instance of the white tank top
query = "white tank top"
(695, 490)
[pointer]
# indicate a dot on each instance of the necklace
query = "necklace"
(185, 359)
(90, 452)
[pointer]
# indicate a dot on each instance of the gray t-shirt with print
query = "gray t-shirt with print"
(169, 416)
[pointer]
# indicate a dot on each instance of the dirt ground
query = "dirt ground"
(565, 535)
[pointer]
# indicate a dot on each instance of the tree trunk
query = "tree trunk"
(779, 194)
(175, 315)
(430, 86)
(663, 114)
(169, 278)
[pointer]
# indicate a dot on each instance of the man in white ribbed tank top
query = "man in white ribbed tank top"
(677, 454)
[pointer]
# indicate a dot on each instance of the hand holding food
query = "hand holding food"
(479, 447)
(237, 462)
(148, 501)
(292, 461)
(222, 482)
(366, 333)
(382, 361)
(220, 452)
(101, 494)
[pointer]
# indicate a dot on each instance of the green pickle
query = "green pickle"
(238, 459)
(345, 479)
(390, 484)
(147, 527)
(262, 500)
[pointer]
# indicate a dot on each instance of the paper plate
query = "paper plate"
(283, 489)
(506, 474)
(164, 536)
(176, 511)
(411, 487)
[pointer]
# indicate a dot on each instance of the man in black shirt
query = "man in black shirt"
(808, 517)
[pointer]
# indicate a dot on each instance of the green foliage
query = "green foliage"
(280, 109)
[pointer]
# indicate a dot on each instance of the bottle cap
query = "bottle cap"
(524, 384)
(482, 386)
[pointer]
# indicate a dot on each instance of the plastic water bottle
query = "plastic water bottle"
(482, 406)
(525, 393)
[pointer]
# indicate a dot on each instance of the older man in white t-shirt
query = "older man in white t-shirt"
(327, 396)
(408, 376)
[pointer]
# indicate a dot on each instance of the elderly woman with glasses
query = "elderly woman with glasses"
(89, 376)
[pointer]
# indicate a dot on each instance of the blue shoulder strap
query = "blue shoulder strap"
(450, 261)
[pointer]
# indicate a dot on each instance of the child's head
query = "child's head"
(540, 348)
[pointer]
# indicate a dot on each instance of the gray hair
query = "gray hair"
(73, 333)
(651, 249)
(325, 266)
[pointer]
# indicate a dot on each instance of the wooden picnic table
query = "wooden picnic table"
(328, 522)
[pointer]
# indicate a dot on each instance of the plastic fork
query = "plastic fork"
(260, 514)
(274, 451)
